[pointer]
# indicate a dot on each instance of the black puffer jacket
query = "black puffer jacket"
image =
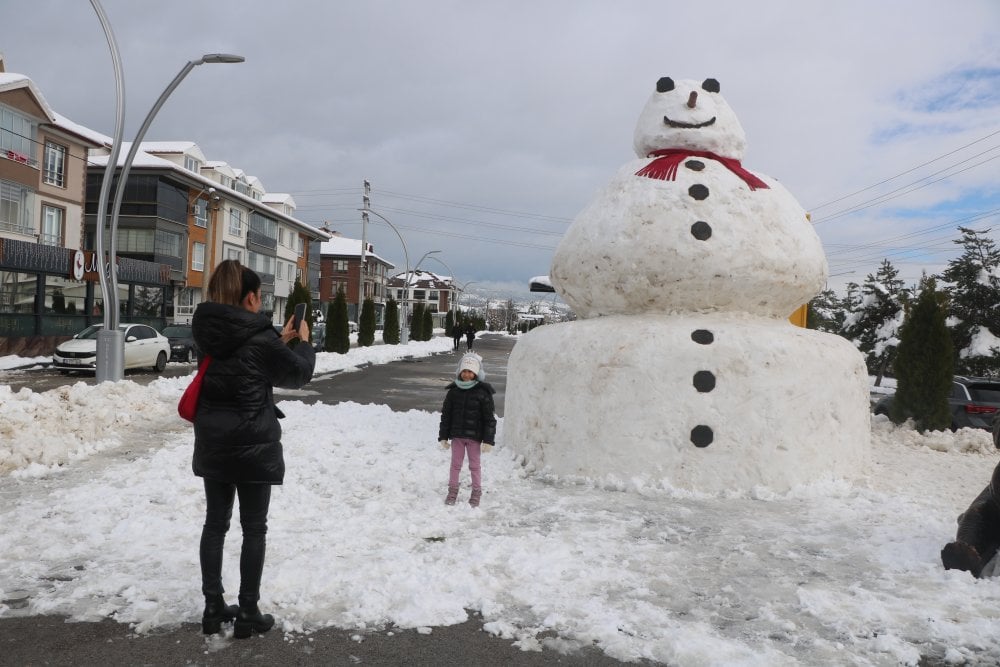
(468, 413)
(237, 437)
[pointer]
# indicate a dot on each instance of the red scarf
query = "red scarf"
(664, 167)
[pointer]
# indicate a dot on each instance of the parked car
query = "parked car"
(974, 402)
(182, 347)
(144, 347)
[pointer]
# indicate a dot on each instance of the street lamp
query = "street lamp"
(453, 282)
(404, 329)
(110, 362)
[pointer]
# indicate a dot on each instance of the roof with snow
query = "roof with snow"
(341, 246)
(421, 279)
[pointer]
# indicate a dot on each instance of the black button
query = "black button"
(702, 336)
(701, 230)
(702, 436)
(695, 165)
(704, 381)
(698, 191)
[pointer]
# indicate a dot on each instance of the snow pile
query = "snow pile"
(40, 431)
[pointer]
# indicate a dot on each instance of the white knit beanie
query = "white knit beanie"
(471, 362)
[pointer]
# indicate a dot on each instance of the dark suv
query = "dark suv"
(974, 402)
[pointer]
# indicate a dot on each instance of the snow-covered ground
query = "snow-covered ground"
(101, 518)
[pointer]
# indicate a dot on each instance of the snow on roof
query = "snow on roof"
(420, 277)
(185, 147)
(11, 81)
(93, 136)
(280, 198)
(341, 246)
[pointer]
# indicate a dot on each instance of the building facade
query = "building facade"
(436, 293)
(180, 216)
(341, 268)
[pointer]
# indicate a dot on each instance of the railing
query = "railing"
(20, 157)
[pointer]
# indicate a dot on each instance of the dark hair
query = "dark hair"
(231, 282)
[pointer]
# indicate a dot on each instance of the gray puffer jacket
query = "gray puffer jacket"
(237, 437)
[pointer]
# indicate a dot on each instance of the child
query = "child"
(467, 419)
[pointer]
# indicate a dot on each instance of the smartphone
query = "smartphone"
(300, 314)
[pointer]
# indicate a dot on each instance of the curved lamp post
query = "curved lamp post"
(110, 362)
(453, 308)
(404, 329)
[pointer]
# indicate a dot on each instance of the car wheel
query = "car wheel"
(161, 362)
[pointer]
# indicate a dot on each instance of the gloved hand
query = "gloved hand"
(444, 444)
(486, 448)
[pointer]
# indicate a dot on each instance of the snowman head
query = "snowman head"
(689, 114)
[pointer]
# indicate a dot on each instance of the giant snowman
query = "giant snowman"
(683, 369)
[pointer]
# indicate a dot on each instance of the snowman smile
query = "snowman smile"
(681, 124)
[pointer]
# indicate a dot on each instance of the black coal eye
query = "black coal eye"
(664, 84)
(711, 85)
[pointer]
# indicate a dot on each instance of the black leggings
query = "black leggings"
(254, 502)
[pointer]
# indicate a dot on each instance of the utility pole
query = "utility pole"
(366, 201)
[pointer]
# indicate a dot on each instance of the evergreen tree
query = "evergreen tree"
(390, 329)
(416, 322)
(449, 323)
(873, 326)
(427, 325)
(826, 313)
(338, 333)
(298, 294)
(924, 364)
(366, 331)
(973, 288)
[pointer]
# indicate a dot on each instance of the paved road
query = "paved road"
(405, 385)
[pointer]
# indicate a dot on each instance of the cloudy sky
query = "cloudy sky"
(485, 127)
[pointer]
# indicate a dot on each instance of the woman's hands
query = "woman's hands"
(289, 333)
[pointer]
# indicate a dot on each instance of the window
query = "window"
(201, 213)
(418, 295)
(17, 136)
(281, 236)
(434, 295)
(16, 202)
(236, 222)
(281, 270)
(302, 248)
(52, 226)
(340, 265)
(192, 164)
(198, 256)
(234, 253)
(55, 164)
(17, 292)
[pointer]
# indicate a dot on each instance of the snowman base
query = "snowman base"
(703, 402)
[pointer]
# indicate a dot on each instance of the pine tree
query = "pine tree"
(973, 288)
(298, 294)
(427, 325)
(366, 331)
(449, 323)
(874, 324)
(338, 333)
(924, 364)
(416, 322)
(826, 313)
(390, 328)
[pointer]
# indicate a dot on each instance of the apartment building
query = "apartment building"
(180, 216)
(436, 293)
(341, 268)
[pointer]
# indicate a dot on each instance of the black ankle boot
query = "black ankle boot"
(217, 613)
(250, 620)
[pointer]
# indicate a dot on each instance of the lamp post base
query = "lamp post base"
(110, 356)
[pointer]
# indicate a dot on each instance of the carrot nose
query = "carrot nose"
(692, 99)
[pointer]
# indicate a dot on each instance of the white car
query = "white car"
(145, 347)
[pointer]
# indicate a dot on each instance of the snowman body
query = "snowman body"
(683, 368)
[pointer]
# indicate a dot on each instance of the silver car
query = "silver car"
(145, 347)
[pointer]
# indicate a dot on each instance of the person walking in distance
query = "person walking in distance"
(237, 437)
(470, 335)
(456, 335)
(468, 421)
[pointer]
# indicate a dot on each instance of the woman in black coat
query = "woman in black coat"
(237, 437)
(978, 536)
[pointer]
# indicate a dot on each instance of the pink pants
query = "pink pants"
(458, 448)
